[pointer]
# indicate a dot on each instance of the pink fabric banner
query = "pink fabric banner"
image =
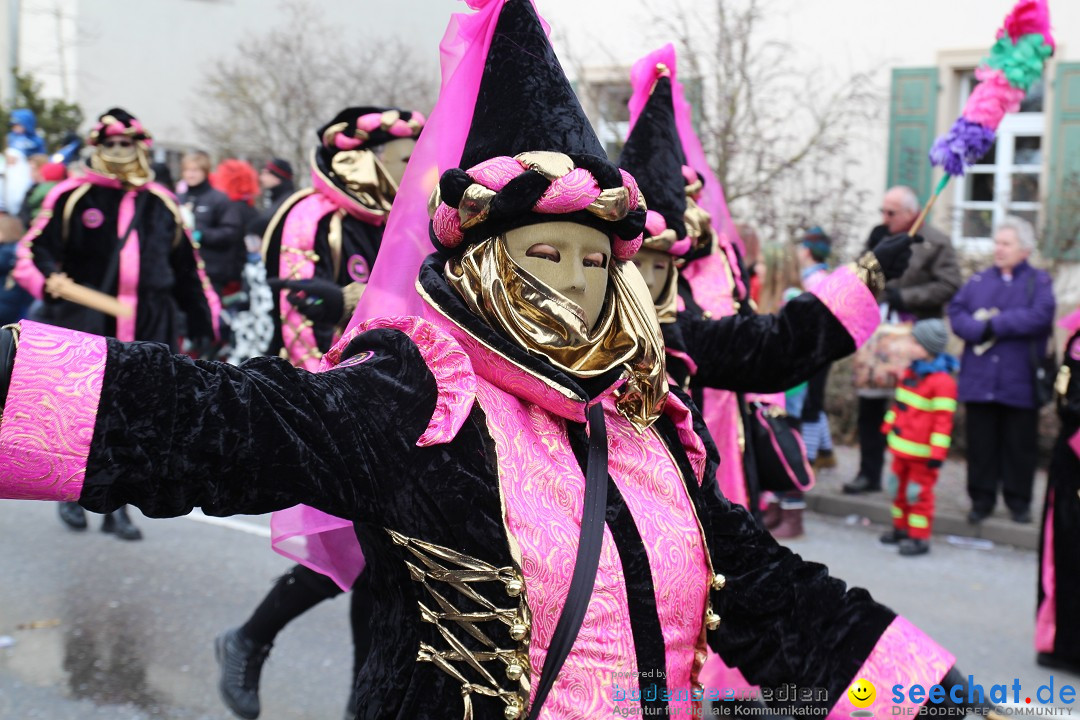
(464, 50)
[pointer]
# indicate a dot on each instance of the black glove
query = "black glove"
(893, 298)
(934, 464)
(320, 301)
(7, 362)
(894, 253)
(987, 333)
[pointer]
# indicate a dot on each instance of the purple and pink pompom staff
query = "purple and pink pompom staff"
(1016, 61)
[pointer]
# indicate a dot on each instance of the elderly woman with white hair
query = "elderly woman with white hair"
(1004, 314)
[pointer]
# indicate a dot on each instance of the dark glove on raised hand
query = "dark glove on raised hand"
(934, 464)
(320, 301)
(893, 254)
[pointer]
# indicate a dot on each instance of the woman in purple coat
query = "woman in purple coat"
(1004, 314)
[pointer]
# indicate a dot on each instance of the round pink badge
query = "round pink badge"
(358, 269)
(93, 218)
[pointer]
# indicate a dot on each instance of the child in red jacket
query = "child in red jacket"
(919, 430)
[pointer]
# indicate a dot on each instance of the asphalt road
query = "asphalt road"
(105, 629)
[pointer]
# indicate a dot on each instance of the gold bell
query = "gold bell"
(514, 588)
(512, 712)
(519, 631)
(718, 582)
(514, 671)
(712, 620)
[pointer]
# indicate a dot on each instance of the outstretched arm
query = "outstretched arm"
(108, 423)
(770, 353)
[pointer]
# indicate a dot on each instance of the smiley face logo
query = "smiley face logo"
(862, 693)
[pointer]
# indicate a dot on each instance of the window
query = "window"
(1006, 181)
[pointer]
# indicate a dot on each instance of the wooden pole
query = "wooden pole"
(61, 286)
(929, 205)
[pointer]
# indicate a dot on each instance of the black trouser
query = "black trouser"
(1002, 451)
(871, 439)
(296, 592)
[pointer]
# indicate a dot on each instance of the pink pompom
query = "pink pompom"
(625, 249)
(495, 173)
(447, 226)
(1029, 17)
(654, 223)
(991, 99)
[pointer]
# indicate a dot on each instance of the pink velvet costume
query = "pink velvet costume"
(459, 458)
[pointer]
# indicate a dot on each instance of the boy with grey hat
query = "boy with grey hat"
(918, 431)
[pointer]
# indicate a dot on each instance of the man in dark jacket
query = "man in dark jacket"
(932, 278)
(1004, 314)
(218, 233)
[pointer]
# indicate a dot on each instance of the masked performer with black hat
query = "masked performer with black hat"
(320, 247)
(322, 242)
(538, 512)
(115, 231)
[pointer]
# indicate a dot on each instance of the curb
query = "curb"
(1000, 532)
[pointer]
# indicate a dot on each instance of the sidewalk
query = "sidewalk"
(952, 504)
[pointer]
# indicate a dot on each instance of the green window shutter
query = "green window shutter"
(912, 125)
(1062, 238)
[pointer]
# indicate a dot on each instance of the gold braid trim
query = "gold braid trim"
(437, 564)
(868, 269)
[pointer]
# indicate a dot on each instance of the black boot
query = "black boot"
(119, 523)
(72, 515)
(893, 537)
(914, 546)
(861, 484)
(241, 662)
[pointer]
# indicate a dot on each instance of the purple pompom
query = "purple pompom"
(962, 146)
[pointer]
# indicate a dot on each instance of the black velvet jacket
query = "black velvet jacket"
(80, 238)
(354, 259)
(173, 434)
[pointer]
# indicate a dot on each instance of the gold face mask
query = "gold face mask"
(545, 322)
(394, 157)
(365, 178)
(130, 165)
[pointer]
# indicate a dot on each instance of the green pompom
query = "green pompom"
(1022, 62)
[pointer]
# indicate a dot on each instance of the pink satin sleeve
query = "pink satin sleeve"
(903, 655)
(851, 302)
(49, 416)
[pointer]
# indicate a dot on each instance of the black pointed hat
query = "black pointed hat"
(531, 155)
(653, 154)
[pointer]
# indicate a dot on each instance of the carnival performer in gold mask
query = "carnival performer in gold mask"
(115, 231)
(537, 509)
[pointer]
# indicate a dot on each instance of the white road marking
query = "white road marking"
(230, 523)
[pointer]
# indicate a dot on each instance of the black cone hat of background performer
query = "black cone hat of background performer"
(525, 104)
(653, 154)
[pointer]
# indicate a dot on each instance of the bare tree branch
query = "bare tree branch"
(269, 96)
